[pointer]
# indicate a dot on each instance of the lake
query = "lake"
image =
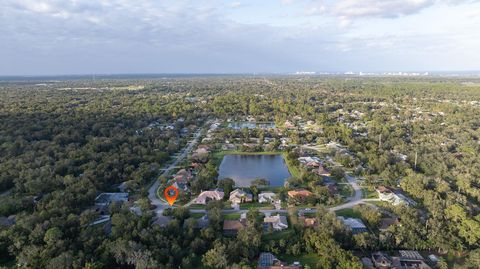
(251, 125)
(243, 169)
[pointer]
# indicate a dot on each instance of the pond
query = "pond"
(251, 125)
(243, 169)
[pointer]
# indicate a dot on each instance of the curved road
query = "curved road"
(152, 191)
(162, 205)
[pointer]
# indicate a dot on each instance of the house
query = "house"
(7, 221)
(267, 260)
(308, 222)
(313, 164)
(105, 198)
(381, 260)
(183, 176)
(266, 197)
(229, 146)
(410, 259)
(289, 125)
(385, 223)
(384, 193)
(355, 225)
(239, 196)
(395, 197)
(231, 227)
(302, 193)
(306, 160)
(278, 223)
(207, 196)
(322, 171)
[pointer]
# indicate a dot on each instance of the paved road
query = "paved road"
(162, 205)
(152, 192)
(355, 199)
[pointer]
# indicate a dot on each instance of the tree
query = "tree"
(216, 257)
(227, 185)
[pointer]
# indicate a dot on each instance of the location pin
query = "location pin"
(171, 194)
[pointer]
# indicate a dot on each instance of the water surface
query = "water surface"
(243, 169)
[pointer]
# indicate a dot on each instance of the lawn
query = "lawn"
(196, 215)
(294, 170)
(195, 206)
(347, 212)
(369, 194)
(256, 205)
(305, 259)
(278, 235)
(231, 216)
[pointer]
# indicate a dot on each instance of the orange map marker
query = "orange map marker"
(171, 194)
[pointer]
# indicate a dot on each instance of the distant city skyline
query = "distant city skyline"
(40, 37)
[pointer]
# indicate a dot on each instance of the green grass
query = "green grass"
(294, 170)
(231, 216)
(195, 206)
(347, 212)
(305, 259)
(378, 203)
(196, 215)
(369, 194)
(285, 234)
(256, 205)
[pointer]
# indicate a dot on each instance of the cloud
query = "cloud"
(379, 8)
(108, 36)
(351, 9)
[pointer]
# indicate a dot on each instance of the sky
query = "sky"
(54, 37)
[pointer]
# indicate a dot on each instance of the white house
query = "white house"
(395, 198)
(266, 197)
(278, 222)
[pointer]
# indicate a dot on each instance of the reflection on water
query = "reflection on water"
(243, 169)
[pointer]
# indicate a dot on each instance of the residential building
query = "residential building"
(381, 260)
(266, 197)
(239, 196)
(303, 193)
(355, 225)
(395, 197)
(385, 223)
(277, 222)
(308, 222)
(207, 196)
(105, 198)
(289, 125)
(322, 171)
(231, 227)
(267, 260)
(410, 259)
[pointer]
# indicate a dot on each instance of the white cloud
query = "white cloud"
(82, 36)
